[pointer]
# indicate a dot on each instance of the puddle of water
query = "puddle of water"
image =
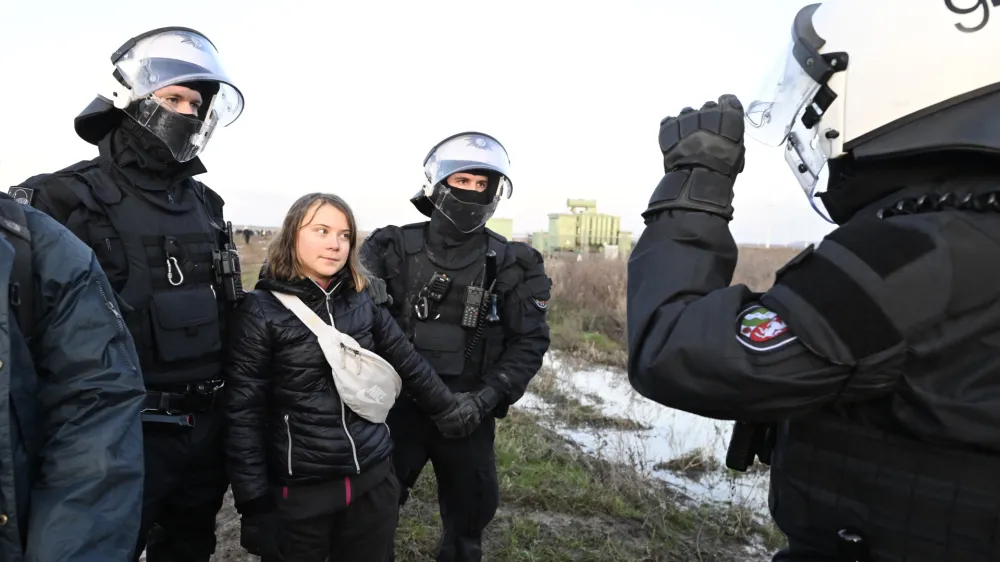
(673, 434)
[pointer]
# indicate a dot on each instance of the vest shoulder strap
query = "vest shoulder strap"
(870, 285)
(212, 200)
(413, 237)
(103, 192)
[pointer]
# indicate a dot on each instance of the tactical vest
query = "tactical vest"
(173, 306)
(859, 465)
(911, 501)
(455, 352)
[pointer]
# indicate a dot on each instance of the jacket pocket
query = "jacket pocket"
(185, 323)
(442, 345)
(107, 245)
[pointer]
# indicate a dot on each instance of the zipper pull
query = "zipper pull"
(111, 307)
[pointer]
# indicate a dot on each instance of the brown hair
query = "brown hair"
(282, 256)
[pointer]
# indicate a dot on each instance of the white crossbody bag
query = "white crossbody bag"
(366, 383)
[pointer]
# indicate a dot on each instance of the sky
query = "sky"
(348, 97)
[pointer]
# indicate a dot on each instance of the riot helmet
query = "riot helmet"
(151, 62)
(853, 88)
(473, 153)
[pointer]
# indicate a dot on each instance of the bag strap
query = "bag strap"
(305, 314)
(322, 329)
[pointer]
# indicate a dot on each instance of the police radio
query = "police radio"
(437, 288)
(473, 303)
(481, 301)
(226, 263)
(433, 291)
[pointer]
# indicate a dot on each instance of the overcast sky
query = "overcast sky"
(349, 97)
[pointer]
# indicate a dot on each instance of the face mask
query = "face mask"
(185, 136)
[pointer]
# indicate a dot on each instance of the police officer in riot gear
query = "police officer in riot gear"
(473, 304)
(161, 237)
(872, 366)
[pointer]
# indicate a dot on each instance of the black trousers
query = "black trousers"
(466, 473)
(363, 531)
(184, 488)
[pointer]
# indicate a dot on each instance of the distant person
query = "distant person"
(479, 321)
(247, 234)
(161, 237)
(71, 397)
(303, 463)
(868, 375)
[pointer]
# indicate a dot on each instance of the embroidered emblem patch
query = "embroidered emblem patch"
(542, 305)
(23, 195)
(761, 329)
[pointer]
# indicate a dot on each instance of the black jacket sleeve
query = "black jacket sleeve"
(246, 402)
(88, 485)
(526, 331)
(51, 195)
(700, 345)
(419, 378)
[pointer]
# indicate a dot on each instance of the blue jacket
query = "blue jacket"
(71, 464)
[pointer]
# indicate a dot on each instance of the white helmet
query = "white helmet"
(878, 78)
(156, 59)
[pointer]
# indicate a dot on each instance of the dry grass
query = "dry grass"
(587, 313)
(252, 256)
(756, 266)
(693, 463)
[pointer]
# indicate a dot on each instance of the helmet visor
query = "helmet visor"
(175, 57)
(465, 215)
(184, 135)
(781, 100)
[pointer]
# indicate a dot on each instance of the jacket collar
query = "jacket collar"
(308, 290)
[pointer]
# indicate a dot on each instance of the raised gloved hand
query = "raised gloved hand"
(703, 152)
(258, 534)
(468, 412)
(377, 290)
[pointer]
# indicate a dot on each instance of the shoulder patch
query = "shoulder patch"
(761, 329)
(23, 195)
(542, 305)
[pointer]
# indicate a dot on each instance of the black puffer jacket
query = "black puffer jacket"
(287, 424)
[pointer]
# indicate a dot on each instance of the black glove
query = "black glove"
(703, 152)
(258, 534)
(468, 412)
(486, 399)
(376, 288)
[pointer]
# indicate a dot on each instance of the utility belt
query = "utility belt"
(179, 407)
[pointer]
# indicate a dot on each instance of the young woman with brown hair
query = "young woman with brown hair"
(310, 476)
